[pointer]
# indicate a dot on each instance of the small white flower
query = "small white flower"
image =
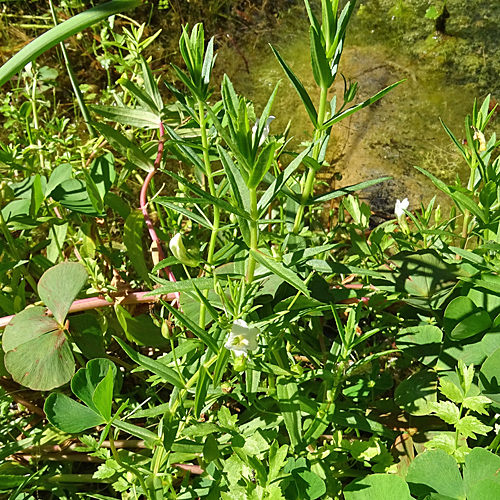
(243, 338)
(265, 132)
(400, 207)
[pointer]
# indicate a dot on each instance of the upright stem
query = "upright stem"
(254, 233)
(127, 467)
(465, 226)
(311, 173)
(211, 187)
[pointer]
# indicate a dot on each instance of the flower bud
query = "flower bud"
(180, 253)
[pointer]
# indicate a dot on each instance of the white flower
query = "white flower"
(243, 338)
(265, 132)
(400, 207)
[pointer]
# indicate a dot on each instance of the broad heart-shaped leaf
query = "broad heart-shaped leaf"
(68, 415)
(43, 363)
(462, 319)
(435, 471)
(378, 487)
(87, 385)
(489, 377)
(59, 286)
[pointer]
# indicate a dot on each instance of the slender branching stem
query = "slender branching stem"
(254, 233)
(308, 189)
(211, 186)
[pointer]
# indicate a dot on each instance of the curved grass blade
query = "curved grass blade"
(60, 33)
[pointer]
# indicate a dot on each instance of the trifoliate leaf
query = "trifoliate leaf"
(469, 426)
(451, 391)
(446, 410)
(477, 403)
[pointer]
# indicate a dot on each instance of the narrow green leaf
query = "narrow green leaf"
(166, 373)
(288, 396)
(193, 327)
(277, 185)
(132, 239)
(151, 87)
(280, 270)
(320, 66)
(304, 96)
(128, 116)
(224, 205)
(364, 104)
(322, 198)
(124, 146)
(184, 211)
(262, 165)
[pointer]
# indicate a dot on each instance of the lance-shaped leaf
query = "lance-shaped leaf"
(320, 66)
(280, 270)
(304, 96)
(364, 104)
(124, 146)
(128, 116)
(262, 165)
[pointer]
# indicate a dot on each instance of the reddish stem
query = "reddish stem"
(144, 209)
(97, 302)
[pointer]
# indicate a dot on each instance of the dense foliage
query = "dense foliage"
(185, 316)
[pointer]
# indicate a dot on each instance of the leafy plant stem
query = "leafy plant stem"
(128, 468)
(211, 187)
(465, 227)
(311, 173)
(191, 382)
(254, 233)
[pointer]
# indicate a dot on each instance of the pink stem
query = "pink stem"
(97, 302)
(144, 208)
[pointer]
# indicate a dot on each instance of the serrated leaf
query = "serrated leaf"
(447, 411)
(477, 403)
(469, 426)
(451, 391)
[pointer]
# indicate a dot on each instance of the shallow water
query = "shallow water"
(388, 138)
